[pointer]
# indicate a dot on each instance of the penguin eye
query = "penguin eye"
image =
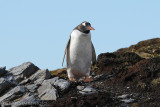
(88, 24)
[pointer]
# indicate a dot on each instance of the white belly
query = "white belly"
(80, 52)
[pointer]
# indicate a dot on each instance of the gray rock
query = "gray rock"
(123, 96)
(5, 104)
(93, 73)
(88, 90)
(124, 105)
(32, 87)
(49, 94)
(2, 71)
(11, 79)
(45, 85)
(27, 101)
(47, 91)
(13, 94)
(62, 84)
(52, 80)
(24, 82)
(130, 100)
(98, 76)
(23, 71)
(49, 83)
(4, 85)
(80, 87)
(40, 76)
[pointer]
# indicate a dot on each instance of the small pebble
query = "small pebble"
(128, 100)
(80, 87)
(123, 96)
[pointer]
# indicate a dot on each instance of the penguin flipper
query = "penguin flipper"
(93, 55)
(66, 50)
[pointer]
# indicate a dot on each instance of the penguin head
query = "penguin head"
(85, 27)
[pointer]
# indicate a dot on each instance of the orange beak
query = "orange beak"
(91, 28)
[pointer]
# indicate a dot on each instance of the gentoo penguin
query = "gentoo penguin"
(80, 53)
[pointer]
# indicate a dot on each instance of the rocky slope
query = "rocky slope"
(125, 78)
(146, 49)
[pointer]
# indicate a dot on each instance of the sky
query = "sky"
(38, 30)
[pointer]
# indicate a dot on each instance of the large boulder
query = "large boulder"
(47, 92)
(61, 84)
(40, 76)
(52, 80)
(23, 71)
(44, 86)
(13, 94)
(32, 87)
(27, 101)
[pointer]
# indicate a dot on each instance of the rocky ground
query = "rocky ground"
(129, 77)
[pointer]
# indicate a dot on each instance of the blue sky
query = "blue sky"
(38, 30)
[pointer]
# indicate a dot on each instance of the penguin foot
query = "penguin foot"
(88, 79)
(72, 79)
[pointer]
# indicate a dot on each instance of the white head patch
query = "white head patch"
(84, 24)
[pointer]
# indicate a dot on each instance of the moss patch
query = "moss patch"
(141, 85)
(155, 82)
(146, 49)
(59, 72)
(135, 105)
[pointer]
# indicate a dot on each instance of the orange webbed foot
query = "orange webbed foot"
(72, 79)
(88, 79)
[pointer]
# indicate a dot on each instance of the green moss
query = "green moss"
(59, 72)
(155, 82)
(93, 68)
(144, 55)
(156, 55)
(135, 105)
(146, 49)
(141, 85)
(133, 50)
(63, 72)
